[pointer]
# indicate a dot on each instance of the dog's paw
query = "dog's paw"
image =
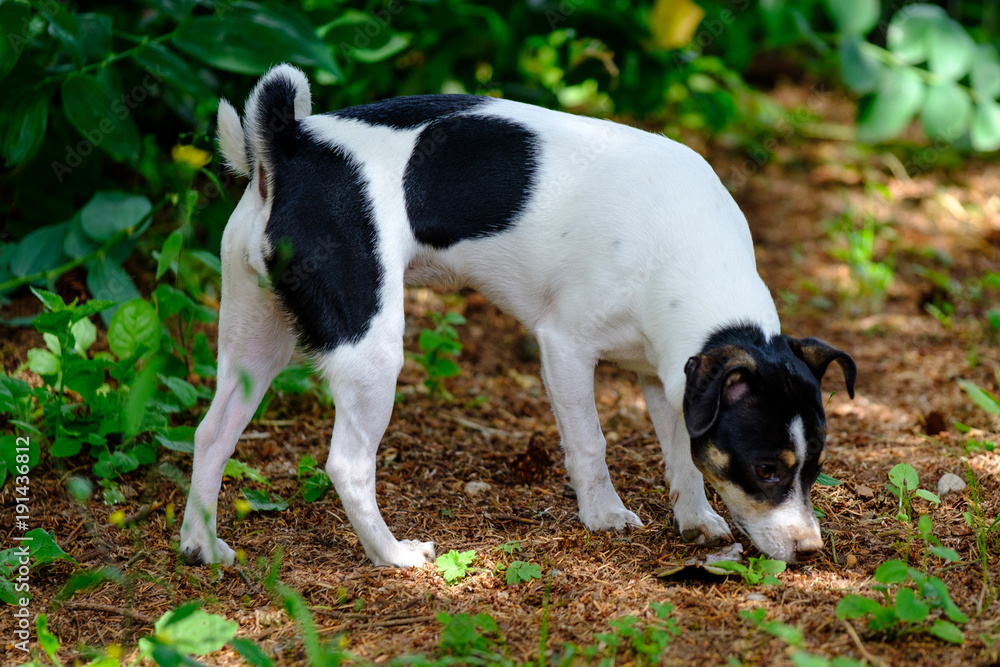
(615, 518)
(702, 526)
(197, 553)
(408, 553)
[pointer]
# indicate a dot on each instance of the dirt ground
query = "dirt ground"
(908, 363)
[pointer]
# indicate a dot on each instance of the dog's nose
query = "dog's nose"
(807, 548)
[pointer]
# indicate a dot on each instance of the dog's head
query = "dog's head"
(754, 411)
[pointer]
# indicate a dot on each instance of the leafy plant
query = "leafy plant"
(758, 570)
(519, 571)
(912, 602)
(454, 565)
(439, 345)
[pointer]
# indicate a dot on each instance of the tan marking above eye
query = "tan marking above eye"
(788, 456)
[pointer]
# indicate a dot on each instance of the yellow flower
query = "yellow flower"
(191, 156)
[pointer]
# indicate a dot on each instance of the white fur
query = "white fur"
(630, 250)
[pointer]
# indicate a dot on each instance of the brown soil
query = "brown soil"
(908, 363)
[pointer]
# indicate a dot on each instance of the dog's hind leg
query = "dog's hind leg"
(569, 380)
(255, 344)
(695, 519)
(362, 378)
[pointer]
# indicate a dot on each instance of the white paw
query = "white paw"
(408, 553)
(614, 518)
(700, 524)
(203, 552)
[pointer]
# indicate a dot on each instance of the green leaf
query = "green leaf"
(43, 362)
(261, 501)
(48, 641)
(946, 112)
(856, 606)
(909, 608)
(859, 69)
(519, 571)
(826, 480)
(907, 36)
(454, 565)
(38, 251)
(111, 211)
(853, 17)
(167, 66)
(194, 633)
(170, 252)
(981, 397)
(97, 112)
(237, 470)
(134, 326)
(14, 18)
(903, 475)
(950, 50)
(23, 120)
(891, 572)
(251, 38)
(985, 75)
(947, 631)
(887, 113)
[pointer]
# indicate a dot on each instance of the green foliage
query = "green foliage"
(454, 565)
(919, 602)
(439, 345)
(758, 570)
(519, 571)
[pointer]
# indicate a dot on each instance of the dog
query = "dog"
(607, 242)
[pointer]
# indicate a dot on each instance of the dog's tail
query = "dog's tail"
(279, 99)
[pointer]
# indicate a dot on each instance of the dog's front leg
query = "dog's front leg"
(694, 518)
(568, 374)
(362, 380)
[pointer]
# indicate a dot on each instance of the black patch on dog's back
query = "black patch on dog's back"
(468, 177)
(409, 112)
(324, 267)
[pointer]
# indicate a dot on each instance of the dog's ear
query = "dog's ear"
(818, 356)
(710, 383)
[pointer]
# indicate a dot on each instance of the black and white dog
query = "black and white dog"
(607, 242)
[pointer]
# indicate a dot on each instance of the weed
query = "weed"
(454, 565)
(758, 570)
(438, 346)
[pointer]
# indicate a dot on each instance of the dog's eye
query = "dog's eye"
(766, 472)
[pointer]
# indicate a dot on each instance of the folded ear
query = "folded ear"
(818, 356)
(709, 383)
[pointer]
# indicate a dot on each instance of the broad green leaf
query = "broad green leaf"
(909, 608)
(853, 17)
(24, 117)
(196, 633)
(14, 18)
(170, 252)
(947, 112)
(903, 475)
(85, 334)
(43, 362)
(891, 572)
(167, 66)
(859, 69)
(134, 326)
(39, 251)
(986, 126)
(985, 75)
(251, 38)
(97, 112)
(262, 501)
(907, 36)
(110, 211)
(947, 631)
(950, 50)
(981, 397)
(454, 565)
(887, 113)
